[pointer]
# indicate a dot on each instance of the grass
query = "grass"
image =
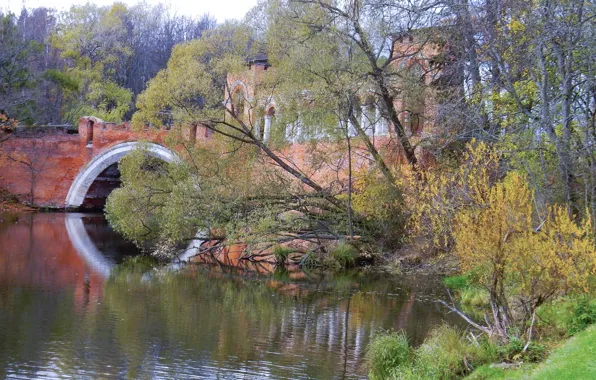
(387, 353)
(344, 254)
(445, 354)
(456, 282)
(473, 296)
(575, 359)
(281, 253)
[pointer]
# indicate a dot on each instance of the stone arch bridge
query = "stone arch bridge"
(58, 167)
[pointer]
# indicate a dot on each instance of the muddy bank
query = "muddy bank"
(9, 204)
(295, 257)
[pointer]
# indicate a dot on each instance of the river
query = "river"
(67, 310)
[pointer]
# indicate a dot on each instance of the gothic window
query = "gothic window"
(269, 119)
(238, 101)
(414, 101)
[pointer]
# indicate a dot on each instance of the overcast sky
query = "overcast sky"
(220, 9)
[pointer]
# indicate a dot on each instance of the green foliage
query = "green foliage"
(445, 354)
(387, 353)
(281, 253)
(344, 254)
(94, 63)
(62, 79)
(18, 80)
(193, 82)
(514, 351)
(584, 314)
(456, 282)
(137, 208)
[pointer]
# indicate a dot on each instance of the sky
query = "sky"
(220, 9)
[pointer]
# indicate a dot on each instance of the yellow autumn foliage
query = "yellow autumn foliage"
(433, 200)
(515, 260)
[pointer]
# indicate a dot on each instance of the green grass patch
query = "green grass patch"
(344, 254)
(281, 253)
(387, 353)
(445, 354)
(473, 296)
(487, 371)
(457, 283)
(575, 359)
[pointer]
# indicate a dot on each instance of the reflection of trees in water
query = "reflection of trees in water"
(146, 323)
(28, 321)
(236, 323)
(110, 244)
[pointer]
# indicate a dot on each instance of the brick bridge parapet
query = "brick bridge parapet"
(39, 164)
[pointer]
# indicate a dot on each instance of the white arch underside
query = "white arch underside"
(85, 247)
(80, 186)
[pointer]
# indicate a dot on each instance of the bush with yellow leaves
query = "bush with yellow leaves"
(433, 197)
(521, 262)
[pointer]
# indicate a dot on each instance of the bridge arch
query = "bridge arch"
(82, 182)
(85, 246)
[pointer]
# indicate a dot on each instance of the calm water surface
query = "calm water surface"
(68, 311)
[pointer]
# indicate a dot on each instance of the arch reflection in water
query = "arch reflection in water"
(85, 247)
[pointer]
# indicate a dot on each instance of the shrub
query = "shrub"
(584, 314)
(387, 353)
(381, 206)
(514, 351)
(518, 264)
(433, 200)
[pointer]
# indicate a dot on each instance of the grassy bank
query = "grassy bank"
(575, 359)
(563, 345)
(445, 355)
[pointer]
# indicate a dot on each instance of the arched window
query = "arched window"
(269, 119)
(369, 116)
(238, 100)
(357, 113)
(414, 93)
